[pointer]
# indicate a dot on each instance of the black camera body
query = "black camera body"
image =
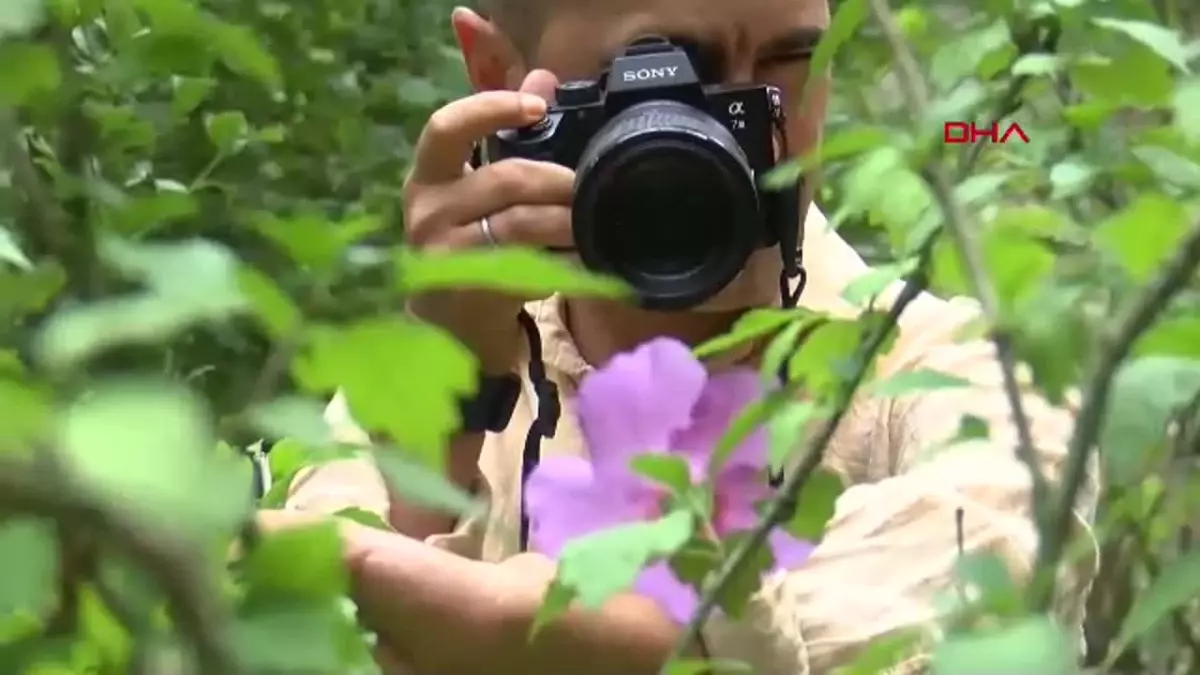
(668, 173)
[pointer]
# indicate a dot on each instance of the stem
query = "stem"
(1115, 346)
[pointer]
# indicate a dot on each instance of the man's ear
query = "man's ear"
(491, 59)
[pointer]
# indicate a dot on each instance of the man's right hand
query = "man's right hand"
(526, 203)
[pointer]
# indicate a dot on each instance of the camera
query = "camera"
(668, 173)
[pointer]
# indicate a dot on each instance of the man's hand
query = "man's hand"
(436, 612)
(525, 202)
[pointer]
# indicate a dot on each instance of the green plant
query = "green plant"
(199, 242)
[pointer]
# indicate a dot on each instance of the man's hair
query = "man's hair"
(521, 20)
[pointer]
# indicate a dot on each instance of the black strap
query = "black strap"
(548, 411)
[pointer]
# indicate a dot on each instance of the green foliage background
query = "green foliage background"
(199, 241)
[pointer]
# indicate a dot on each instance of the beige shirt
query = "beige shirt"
(890, 549)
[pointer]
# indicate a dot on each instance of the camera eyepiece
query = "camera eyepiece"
(667, 170)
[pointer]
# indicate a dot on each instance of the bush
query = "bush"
(199, 242)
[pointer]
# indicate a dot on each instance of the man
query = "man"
(458, 598)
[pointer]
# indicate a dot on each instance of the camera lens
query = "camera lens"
(665, 200)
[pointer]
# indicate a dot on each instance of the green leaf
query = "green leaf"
(1033, 645)
(1146, 392)
(816, 505)
(824, 358)
(883, 654)
(292, 637)
(186, 283)
(915, 381)
(10, 251)
(1185, 103)
(189, 93)
(227, 131)
(598, 566)
(518, 271)
(299, 564)
(787, 430)
(869, 286)
(1173, 336)
(993, 585)
(1174, 588)
(29, 550)
(29, 70)
(150, 447)
(419, 485)
(1167, 43)
(365, 517)
(18, 18)
(708, 667)
(399, 376)
(846, 20)
(1014, 258)
(670, 471)
(751, 326)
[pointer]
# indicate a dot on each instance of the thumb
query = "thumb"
(540, 82)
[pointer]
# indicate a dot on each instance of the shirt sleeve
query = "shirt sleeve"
(891, 547)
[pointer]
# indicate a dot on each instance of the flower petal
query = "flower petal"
(676, 598)
(564, 502)
(632, 405)
(724, 397)
(789, 553)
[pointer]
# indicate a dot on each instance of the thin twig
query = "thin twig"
(961, 230)
(1115, 346)
(194, 605)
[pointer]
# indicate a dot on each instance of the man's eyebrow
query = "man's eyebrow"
(795, 42)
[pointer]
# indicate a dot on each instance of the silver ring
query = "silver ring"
(486, 228)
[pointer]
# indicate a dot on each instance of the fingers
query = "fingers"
(487, 191)
(540, 83)
(544, 226)
(449, 136)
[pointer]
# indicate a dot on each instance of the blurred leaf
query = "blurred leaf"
(754, 324)
(787, 430)
(10, 251)
(1146, 392)
(299, 564)
(364, 517)
(1186, 103)
(29, 549)
(883, 654)
(227, 130)
(149, 446)
(29, 69)
(515, 270)
(1032, 645)
(816, 505)
(398, 376)
(910, 382)
(419, 485)
(1163, 41)
(598, 566)
(1176, 586)
(708, 667)
(18, 18)
(670, 471)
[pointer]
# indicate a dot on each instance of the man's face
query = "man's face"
(732, 41)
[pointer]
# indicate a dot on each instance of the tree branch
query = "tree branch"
(1138, 316)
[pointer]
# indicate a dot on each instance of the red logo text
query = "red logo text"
(969, 132)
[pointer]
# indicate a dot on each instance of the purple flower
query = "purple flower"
(656, 399)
